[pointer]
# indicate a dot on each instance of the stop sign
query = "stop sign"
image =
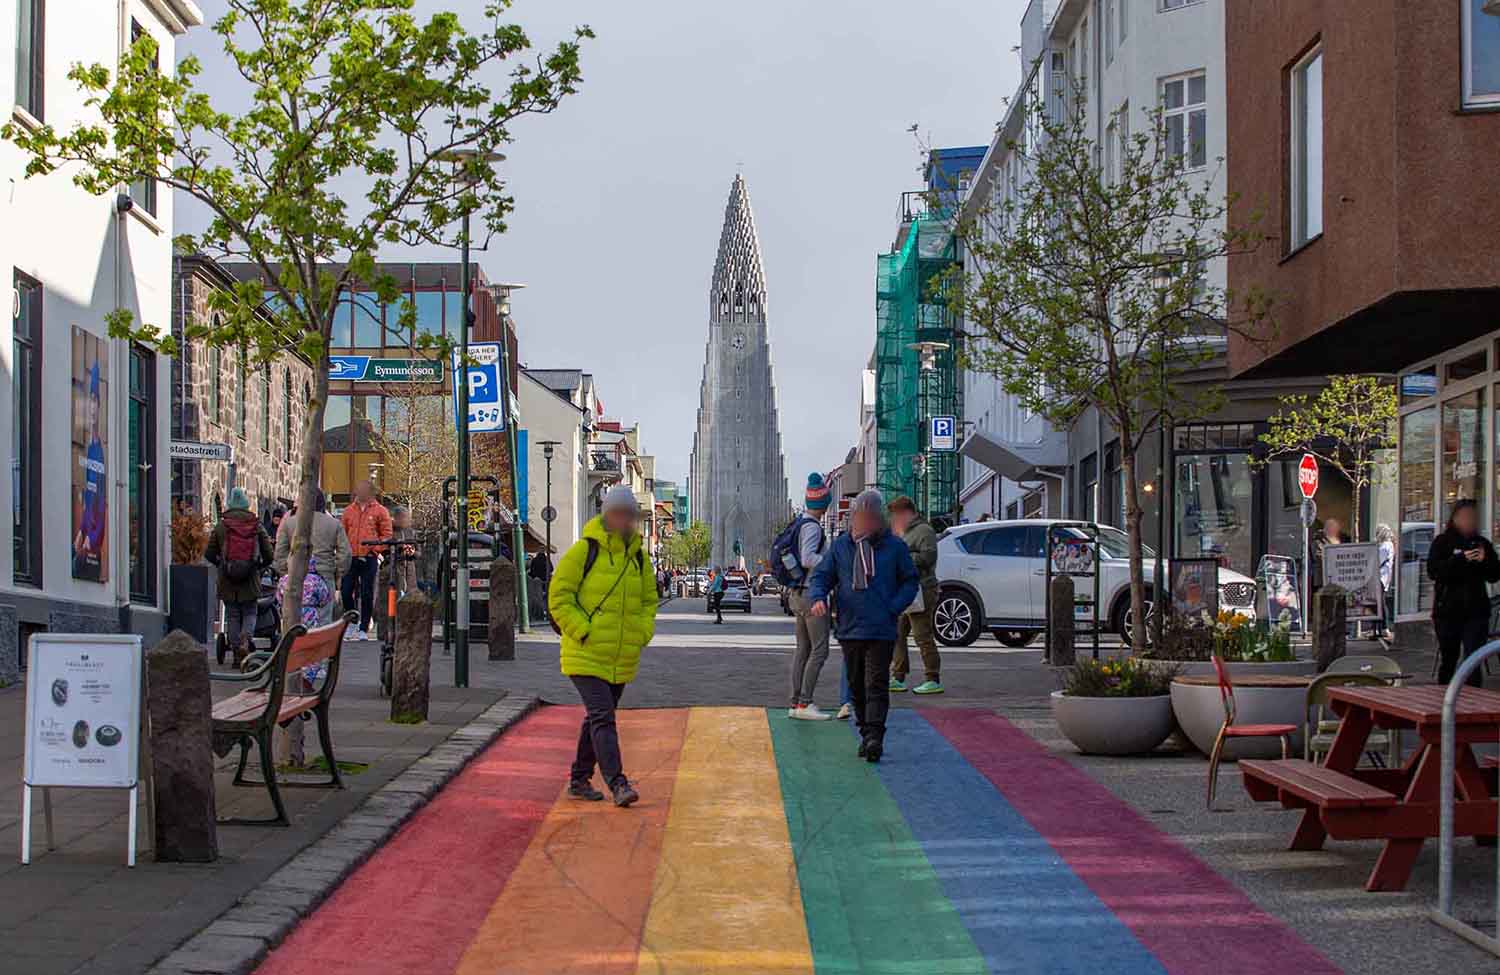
(1307, 475)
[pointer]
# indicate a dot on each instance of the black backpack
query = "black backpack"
(786, 555)
(588, 564)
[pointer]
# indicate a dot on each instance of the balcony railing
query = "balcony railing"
(604, 462)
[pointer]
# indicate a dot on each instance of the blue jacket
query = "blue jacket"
(871, 613)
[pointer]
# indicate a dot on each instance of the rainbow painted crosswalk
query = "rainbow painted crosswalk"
(762, 846)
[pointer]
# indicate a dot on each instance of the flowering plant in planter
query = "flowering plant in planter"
(1238, 640)
(1123, 677)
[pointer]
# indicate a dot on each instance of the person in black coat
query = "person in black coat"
(1461, 562)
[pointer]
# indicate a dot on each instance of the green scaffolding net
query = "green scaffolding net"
(908, 310)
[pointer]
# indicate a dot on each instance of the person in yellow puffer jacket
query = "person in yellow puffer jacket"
(607, 613)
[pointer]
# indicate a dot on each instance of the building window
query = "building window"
(286, 418)
(1178, 4)
(1124, 6)
(25, 445)
(215, 380)
(1307, 149)
(1184, 102)
(265, 409)
(240, 389)
(1083, 55)
(1481, 55)
(142, 446)
(30, 46)
(143, 190)
(1109, 32)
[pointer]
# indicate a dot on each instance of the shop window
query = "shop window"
(1466, 368)
(1418, 452)
(142, 484)
(1481, 54)
(25, 445)
(1463, 442)
(1213, 495)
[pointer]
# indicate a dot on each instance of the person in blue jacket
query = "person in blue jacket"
(870, 573)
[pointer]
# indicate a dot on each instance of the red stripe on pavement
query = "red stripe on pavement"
(1192, 919)
(417, 903)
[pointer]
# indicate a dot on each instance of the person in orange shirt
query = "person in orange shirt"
(365, 520)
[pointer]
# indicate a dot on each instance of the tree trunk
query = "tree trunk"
(307, 490)
(1354, 511)
(1137, 570)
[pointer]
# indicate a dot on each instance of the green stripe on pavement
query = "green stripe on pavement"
(872, 901)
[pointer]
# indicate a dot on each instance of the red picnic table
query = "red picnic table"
(1398, 805)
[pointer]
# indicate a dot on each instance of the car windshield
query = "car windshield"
(1116, 544)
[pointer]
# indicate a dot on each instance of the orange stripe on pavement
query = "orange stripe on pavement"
(727, 898)
(578, 899)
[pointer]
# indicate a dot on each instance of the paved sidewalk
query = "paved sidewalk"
(80, 910)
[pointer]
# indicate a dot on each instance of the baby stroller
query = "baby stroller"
(267, 619)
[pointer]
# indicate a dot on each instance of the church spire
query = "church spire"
(738, 291)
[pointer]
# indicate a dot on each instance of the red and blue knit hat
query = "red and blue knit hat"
(817, 493)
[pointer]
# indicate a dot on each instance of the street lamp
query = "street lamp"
(549, 514)
(465, 162)
(927, 360)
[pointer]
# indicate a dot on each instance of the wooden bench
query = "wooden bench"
(251, 716)
(1299, 783)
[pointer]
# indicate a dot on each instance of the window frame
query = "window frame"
(36, 104)
(286, 416)
(241, 406)
(216, 378)
(265, 409)
(1466, 73)
(143, 192)
(1299, 233)
(1169, 6)
(143, 363)
(1186, 111)
(29, 460)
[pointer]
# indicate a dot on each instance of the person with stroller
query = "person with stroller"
(240, 547)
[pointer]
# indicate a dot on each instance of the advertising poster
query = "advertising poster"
(1355, 568)
(1071, 553)
(1280, 595)
(83, 710)
(1195, 587)
(90, 494)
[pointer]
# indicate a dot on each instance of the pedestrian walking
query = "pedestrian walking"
(802, 542)
(870, 573)
(916, 622)
(240, 547)
(716, 593)
(328, 551)
(1461, 562)
(603, 599)
(1332, 533)
(1385, 541)
(366, 520)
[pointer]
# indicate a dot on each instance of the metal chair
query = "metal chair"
(1231, 730)
(1319, 731)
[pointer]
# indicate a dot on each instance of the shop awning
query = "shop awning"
(1014, 461)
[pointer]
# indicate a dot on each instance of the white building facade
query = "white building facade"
(548, 416)
(89, 490)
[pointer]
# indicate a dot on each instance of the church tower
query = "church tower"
(738, 475)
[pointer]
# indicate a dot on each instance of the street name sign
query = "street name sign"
(486, 414)
(193, 450)
(364, 368)
(943, 433)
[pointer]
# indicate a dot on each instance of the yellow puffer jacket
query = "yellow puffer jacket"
(607, 616)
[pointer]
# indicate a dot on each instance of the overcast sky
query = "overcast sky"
(620, 194)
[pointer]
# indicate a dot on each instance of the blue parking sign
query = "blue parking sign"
(482, 376)
(942, 433)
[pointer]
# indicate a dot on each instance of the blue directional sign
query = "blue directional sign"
(482, 374)
(942, 433)
(347, 366)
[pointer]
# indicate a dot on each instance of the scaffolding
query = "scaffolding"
(908, 310)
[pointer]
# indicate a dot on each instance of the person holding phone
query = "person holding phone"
(1461, 562)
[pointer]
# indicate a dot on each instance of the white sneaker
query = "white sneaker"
(792, 712)
(811, 712)
(844, 712)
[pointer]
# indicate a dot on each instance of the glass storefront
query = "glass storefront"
(1463, 466)
(1213, 507)
(1418, 451)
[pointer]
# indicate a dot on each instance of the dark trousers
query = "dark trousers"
(1456, 640)
(869, 666)
(598, 740)
(361, 573)
(718, 601)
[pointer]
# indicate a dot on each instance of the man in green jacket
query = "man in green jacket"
(918, 535)
(603, 598)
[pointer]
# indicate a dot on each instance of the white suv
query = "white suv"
(992, 576)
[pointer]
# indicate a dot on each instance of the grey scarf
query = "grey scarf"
(864, 561)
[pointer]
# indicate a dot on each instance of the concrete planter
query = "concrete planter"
(1284, 668)
(1113, 725)
(1200, 713)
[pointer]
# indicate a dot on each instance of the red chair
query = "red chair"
(1232, 730)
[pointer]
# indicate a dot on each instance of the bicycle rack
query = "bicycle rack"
(1443, 913)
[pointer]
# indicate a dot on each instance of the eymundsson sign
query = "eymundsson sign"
(363, 368)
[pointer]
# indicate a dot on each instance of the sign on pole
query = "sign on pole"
(942, 433)
(83, 720)
(364, 368)
(1307, 475)
(1355, 568)
(485, 387)
(193, 450)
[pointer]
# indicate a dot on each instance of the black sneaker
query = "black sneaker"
(873, 750)
(864, 747)
(624, 794)
(584, 790)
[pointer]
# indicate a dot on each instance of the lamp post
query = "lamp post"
(464, 162)
(549, 448)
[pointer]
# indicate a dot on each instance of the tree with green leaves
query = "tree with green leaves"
(365, 127)
(692, 546)
(1345, 426)
(1083, 287)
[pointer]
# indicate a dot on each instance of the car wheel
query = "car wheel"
(1123, 621)
(1015, 638)
(956, 618)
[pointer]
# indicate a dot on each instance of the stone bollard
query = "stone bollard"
(182, 761)
(411, 663)
(1329, 625)
(1060, 651)
(502, 609)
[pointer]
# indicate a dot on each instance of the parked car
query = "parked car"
(736, 594)
(992, 576)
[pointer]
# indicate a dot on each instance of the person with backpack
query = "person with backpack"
(794, 554)
(602, 601)
(240, 547)
(716, 586)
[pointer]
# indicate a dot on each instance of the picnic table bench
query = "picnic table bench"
(1398, 805)
(251, 716)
